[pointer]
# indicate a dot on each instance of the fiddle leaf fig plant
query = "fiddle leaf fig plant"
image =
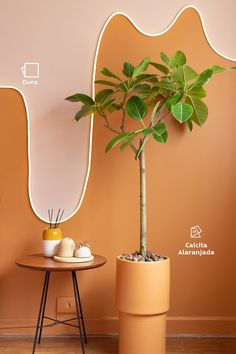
(169, 89)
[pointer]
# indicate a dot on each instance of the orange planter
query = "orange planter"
(142, 300)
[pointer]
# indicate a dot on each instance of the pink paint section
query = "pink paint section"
(62, 37)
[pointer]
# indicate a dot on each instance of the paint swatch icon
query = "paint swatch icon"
(195, 231)
(30, 70)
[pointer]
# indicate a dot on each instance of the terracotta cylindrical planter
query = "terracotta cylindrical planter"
(142, 298)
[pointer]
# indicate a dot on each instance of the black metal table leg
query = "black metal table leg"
(39, 326)
(77, 309)
(41, 308)
(80, 307)
(43, 311)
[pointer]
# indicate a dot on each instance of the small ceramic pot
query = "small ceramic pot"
(66, 247)
(51, 240)
(82, 251)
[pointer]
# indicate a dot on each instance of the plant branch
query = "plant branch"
(108, 126)
(122, 127)
(143, 203)
(163, 117)
(133, 148)
(143, 124)
(152, 124)
(141, 146)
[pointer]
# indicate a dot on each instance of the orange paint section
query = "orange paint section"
(190, 181)
(18, 224)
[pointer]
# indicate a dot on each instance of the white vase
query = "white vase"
(50, 247)
(51, 240)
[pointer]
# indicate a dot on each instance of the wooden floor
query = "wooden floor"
(19, 345)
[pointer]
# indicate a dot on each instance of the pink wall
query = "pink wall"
(62, 37)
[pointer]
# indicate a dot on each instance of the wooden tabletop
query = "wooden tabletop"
(39, 262)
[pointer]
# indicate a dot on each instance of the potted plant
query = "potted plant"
(173, 90)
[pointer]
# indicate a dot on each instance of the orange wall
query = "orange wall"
(190, 181)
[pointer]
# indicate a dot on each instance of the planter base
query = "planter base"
(142, 300)
(142, 334)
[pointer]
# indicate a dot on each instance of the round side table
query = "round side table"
(48, 265)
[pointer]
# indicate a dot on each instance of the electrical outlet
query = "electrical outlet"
(66, 304)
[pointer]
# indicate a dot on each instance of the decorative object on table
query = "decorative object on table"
(83, 251)
(68, 253)
(175, 91)
(66, 247)
(73, 259)
(52, 235)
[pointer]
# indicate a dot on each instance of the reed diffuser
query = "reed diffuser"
(52, 235)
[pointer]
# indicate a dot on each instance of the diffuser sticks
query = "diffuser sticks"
(55, 224)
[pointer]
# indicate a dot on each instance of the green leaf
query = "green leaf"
(189, 73)
(173, 100)
(128, 69)
(190, 124)
(105, 82)
(146, 76)
(128, 141)
(147, 131)
(155, 91)
(170, 86)
(136, 108)
(80, 97)
(160, 67)
(184, 74)
(152, 79)
(123, 88)
(161, 138)
(107, 72)
(200, 110)
(141, 67)
(182, 111)
(108, 103)
(83, 112)
(159, 128)
(113, 107)
(178, 59)
(197, 92)
(102, 95)
(115, 141)
(217, 69)
(178, 75)
(143, 78)
(154, 112)
(142, 88)
(204, 77)
(164, 58)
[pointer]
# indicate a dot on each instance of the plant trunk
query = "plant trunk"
(143, 204)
